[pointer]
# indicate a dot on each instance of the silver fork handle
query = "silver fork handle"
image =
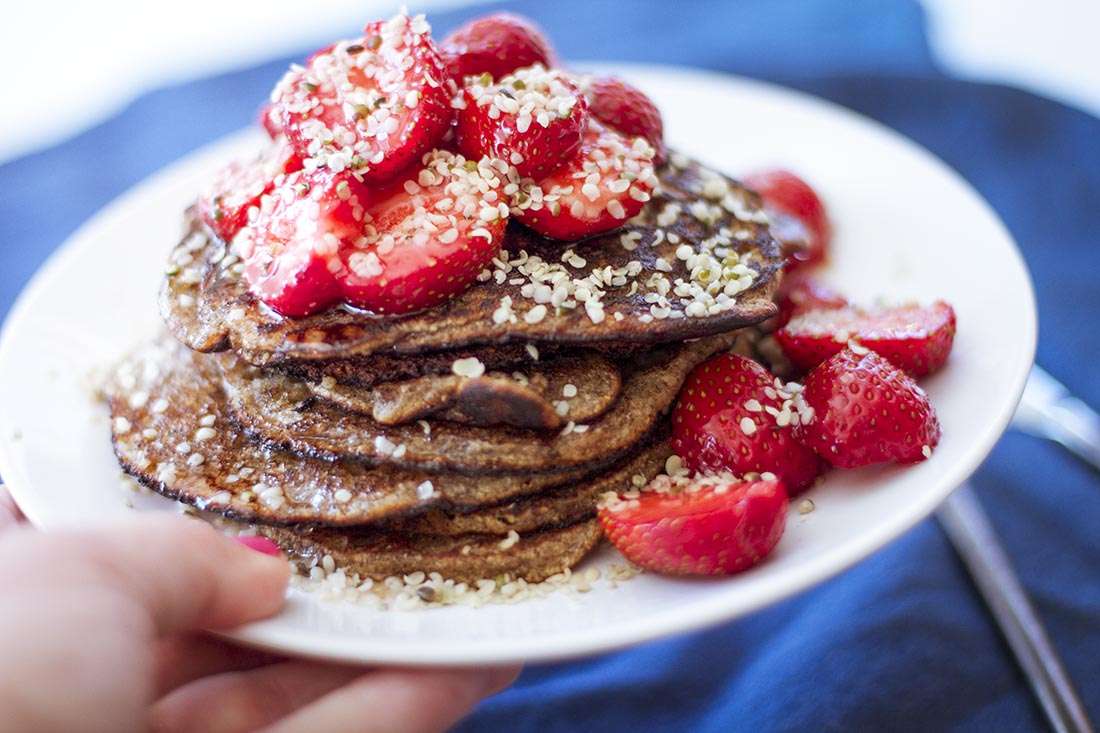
(968, 528)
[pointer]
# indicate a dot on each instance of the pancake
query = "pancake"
(365, 371)
(283, 413)
(207, 305)
(541, 397)
(161, 397)
(463, 558)
(554, 507)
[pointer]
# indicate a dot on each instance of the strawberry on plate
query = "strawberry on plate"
(607, 182)
(533, 118)
(427, 237)
(238, 188)
(628, 110)
(372, 105)
(866, 411)
(706, 526)
(291, 247)
(785, 196)
(800, 292)
(496, 45)
(733, 415)
(915, 338)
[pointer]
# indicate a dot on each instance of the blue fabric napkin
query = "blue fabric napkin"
(900, 642)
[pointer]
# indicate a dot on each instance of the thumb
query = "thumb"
(185, 574)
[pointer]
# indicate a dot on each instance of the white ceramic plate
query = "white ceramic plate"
(906, 227)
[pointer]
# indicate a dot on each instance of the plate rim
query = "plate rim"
(579, 643)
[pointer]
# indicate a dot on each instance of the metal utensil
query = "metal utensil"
(968, 528)
(1048, 410)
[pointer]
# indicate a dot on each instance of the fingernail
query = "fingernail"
(261, 545)
(500, 678)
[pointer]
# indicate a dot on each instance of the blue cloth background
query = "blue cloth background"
(901, 642)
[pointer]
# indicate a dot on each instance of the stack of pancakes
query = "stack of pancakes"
(472, 439)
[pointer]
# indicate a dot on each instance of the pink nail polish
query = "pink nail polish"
(260, 544)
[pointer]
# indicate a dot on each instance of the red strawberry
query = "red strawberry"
(867, 411)
(607, 182)
(628, 110)
(239, 186)
(496, 45)
(786, 195)
(800, 292)
(733, 415)
(292, 246)
(716, 526)
(533, 119)
(914, 338)
(373, 105)
(271, 121)
(427, 238)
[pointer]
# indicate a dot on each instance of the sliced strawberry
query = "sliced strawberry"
(799, 293)
(271, 121)
(497, 45)
(733, 415)
(533, 118)
(606, 183)
(292, 245)
(427, 238)
(914, 338)
(239, 186)
(372, 105)
(715, 526)
(786, 195)
(628, 110)
(865, 411)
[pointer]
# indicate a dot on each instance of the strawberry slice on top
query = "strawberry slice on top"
(915, 338)
(714, 525)
(496, 45)
(372, 105)
(607, 182)
(427, 237)
(627, 109)
(733, 415)
(238, 187)
(291, 246)
(866, 411)
(533, 118)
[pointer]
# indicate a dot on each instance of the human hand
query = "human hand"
(101, 630)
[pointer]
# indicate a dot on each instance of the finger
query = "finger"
(184, 659)
(185, 574)
(397, 701)
(9, 510)
(245, 701)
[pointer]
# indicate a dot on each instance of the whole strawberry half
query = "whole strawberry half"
(786, 195)
(426, 238)
(866, 411)
(733, 415)
(495, 45)
(716, 527)
(915, 338)
(627, 109)
(606, 182)
(534, 119)
(800, 292)
(372, 105)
